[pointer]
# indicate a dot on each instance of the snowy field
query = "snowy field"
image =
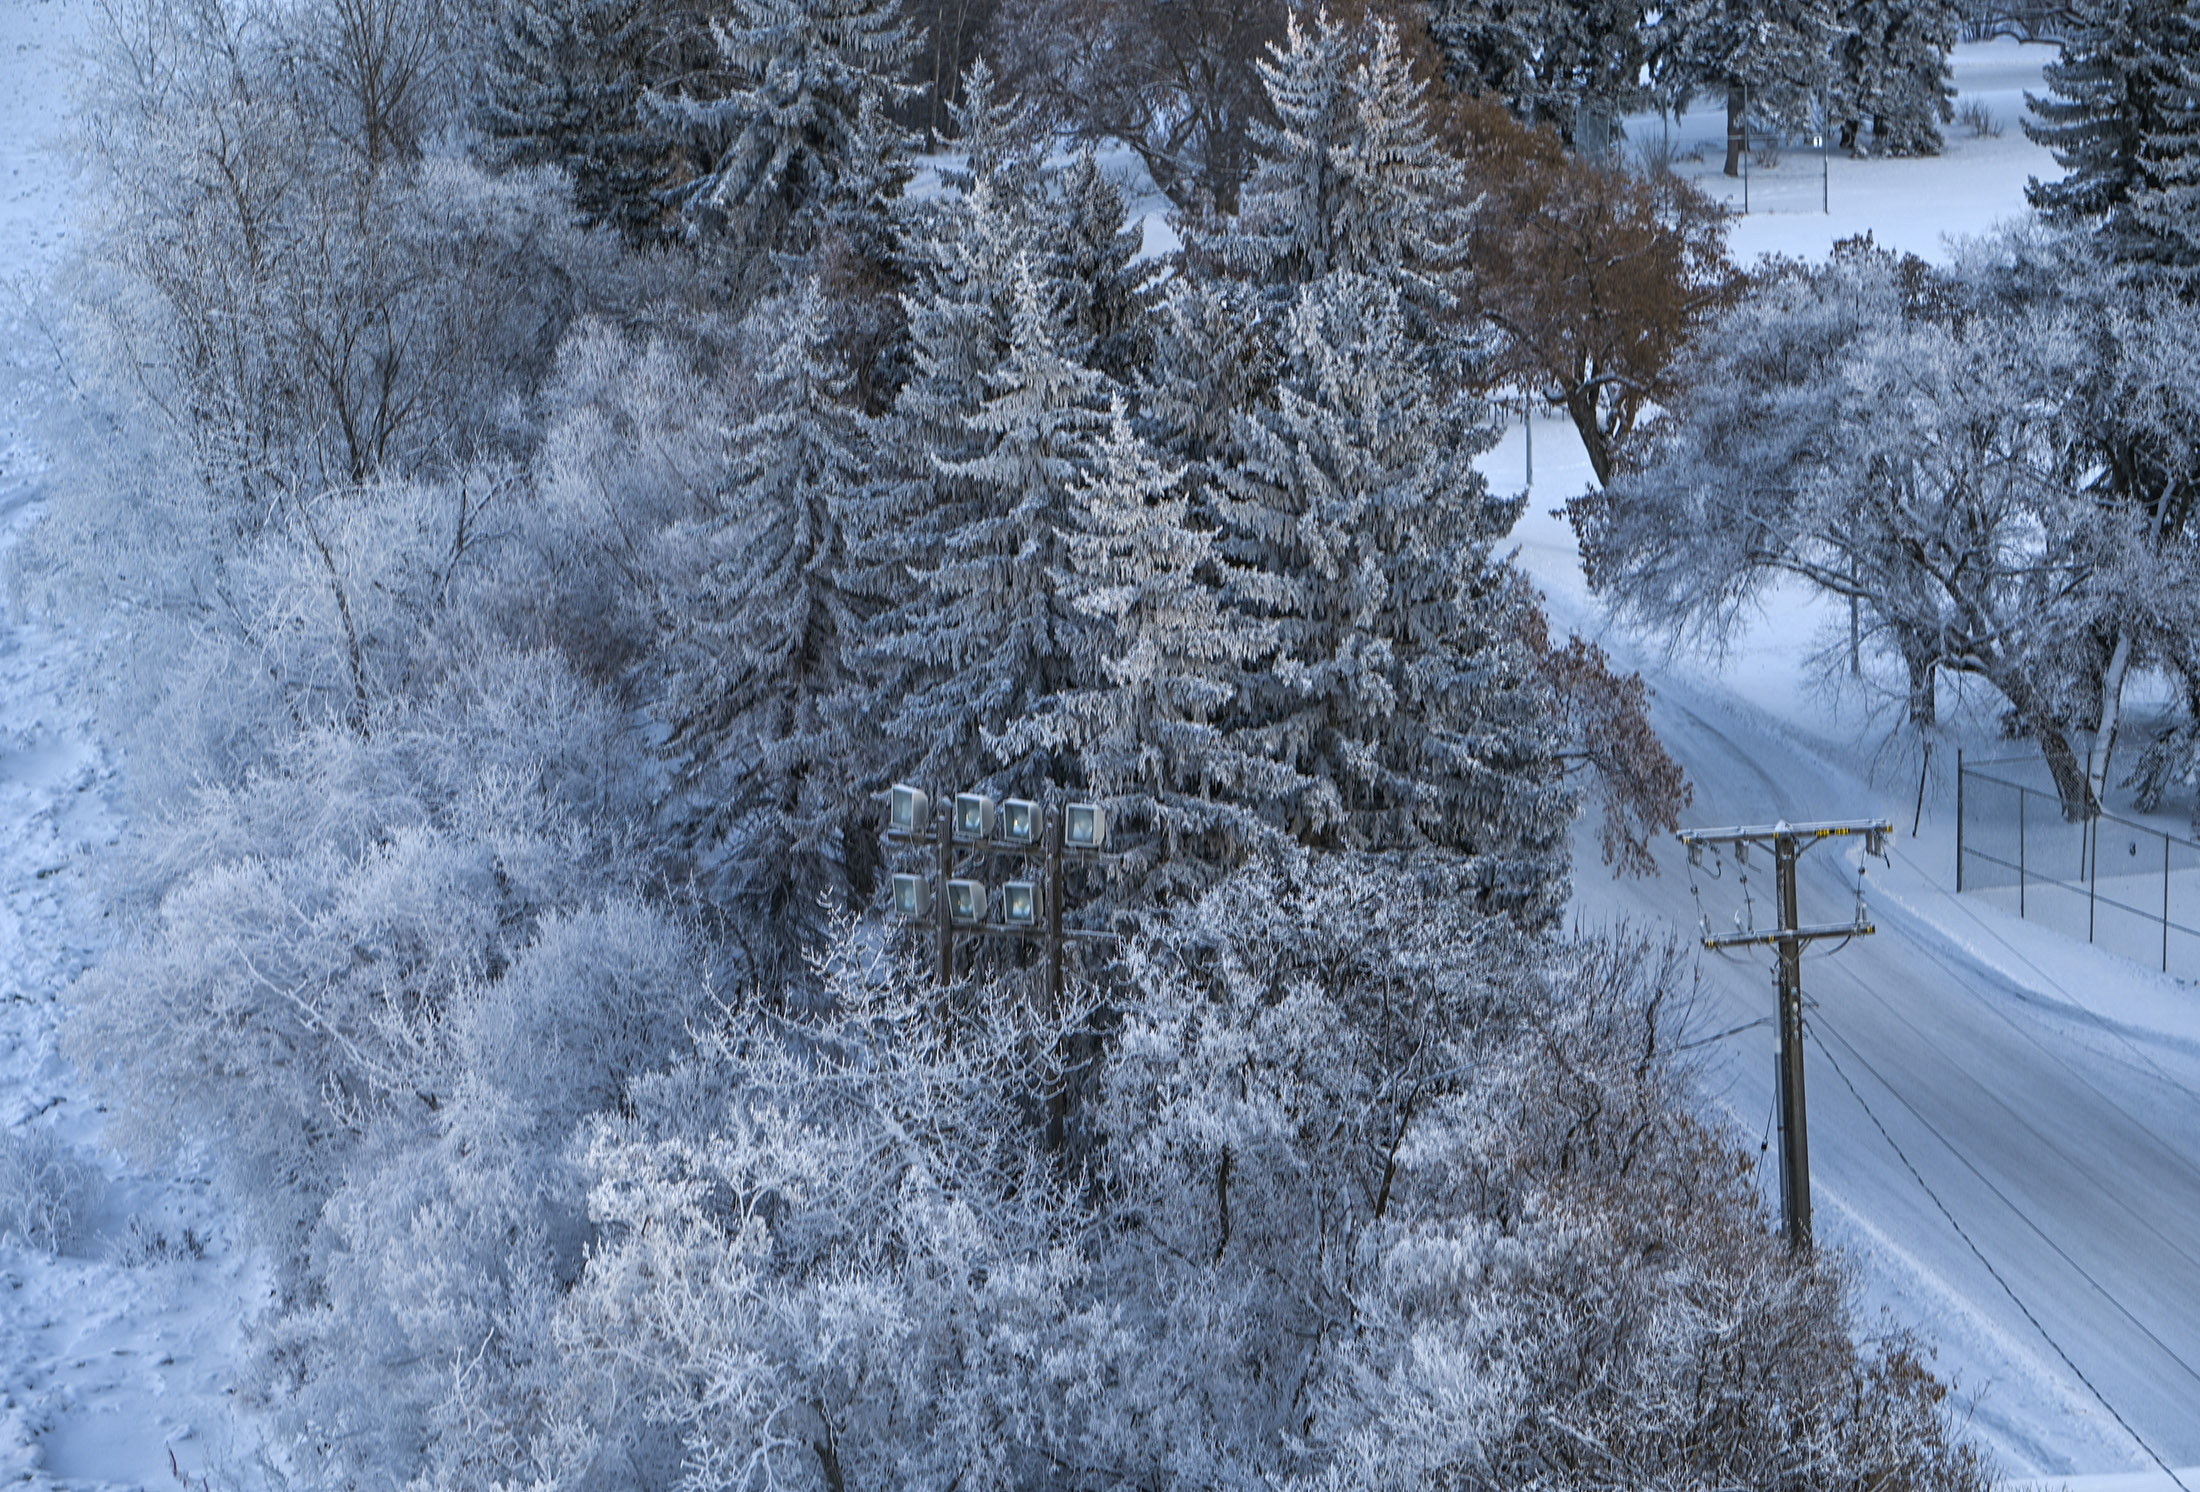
(2003, 1121)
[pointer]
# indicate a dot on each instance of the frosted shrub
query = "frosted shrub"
(44, 1190)
(1365, 1190)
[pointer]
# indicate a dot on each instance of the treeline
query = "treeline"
(545, 471)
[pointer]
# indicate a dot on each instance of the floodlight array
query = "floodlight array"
(1011, 823)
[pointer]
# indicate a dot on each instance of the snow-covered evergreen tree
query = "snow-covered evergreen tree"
(761, 689)
(2124, 122)
(1401, 700)
(565, 89)
(1142, 716)
(786, 127)
(1575, 67)
(1766, 60)
(1892, 74)
(962, 254)
(988, 633)
(1097, 262)
(1348, 177)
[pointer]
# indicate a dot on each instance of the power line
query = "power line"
(2053, 983)
(1963, 1233)
(1924, 1039)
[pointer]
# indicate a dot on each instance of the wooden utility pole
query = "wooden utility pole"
(945, 829)
(1056, 893)
(1787, 843)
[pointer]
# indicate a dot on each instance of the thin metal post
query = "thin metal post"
(2089, 852)
(2022, 794)
(1527, 424)
(1794, 1136)
(2165, 903)
(943, 912)
(1959, 819)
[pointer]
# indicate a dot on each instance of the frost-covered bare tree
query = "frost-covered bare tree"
(1178, 82)
(306, 297)
(1381, 1192)
(1966, 457)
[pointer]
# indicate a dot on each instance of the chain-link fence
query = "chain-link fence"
(2121, 885)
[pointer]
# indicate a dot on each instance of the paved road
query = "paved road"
(1976, 1145)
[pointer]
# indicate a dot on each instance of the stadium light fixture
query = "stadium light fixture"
(911, 809)
(1085, 826)
(1020, 903)
(973, 817)
(1018, 821)
(966, 902)
(913, 896)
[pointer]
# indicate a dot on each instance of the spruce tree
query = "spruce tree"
(961, 255)
(1573, 67)
(797, 76)
(565, 88)
(1402, 706)
(1892, 74)
(2124, 122)
(1768, 60)
(1155, 677)
(1349, 177)
(1111, 289)
(987, 632)
(760, 659)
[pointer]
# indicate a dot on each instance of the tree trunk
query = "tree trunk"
(1581, 408)
(2112, 706)
(2063, 764)
(1922, 660)
(1736, 128)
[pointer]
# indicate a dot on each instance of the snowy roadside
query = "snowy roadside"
(1757, 712)
(117, 1352)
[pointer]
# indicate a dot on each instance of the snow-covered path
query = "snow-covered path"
(2004, 1125)
(2018, 1174)
(117, 1357)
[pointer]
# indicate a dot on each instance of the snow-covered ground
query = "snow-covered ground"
(2003, 1122)
(118, 1355)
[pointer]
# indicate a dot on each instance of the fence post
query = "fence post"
(2165, 903)
(1959, 819)
(2089, 856)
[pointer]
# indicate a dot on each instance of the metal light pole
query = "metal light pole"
(1052, 836)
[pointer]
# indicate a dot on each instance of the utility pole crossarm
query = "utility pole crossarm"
(1771, 833)
(1799, 934)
